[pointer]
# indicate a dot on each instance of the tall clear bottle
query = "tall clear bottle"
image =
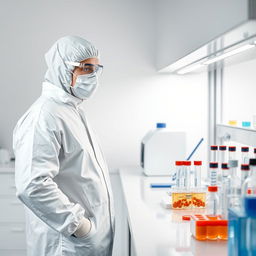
(234, 193)
(245, 155)
(224, 190)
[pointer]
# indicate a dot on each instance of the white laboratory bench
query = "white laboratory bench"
(154, 230)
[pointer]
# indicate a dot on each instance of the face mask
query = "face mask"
(85, 86)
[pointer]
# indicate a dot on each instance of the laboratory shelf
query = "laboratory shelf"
(242, 135)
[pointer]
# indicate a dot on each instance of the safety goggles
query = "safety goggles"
(87, 68)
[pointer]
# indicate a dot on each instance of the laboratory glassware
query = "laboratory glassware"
(234, 190)
(245, 171)
(245, 155)
(231, 153)
(222, 154)
(213, 173)
(249, 185)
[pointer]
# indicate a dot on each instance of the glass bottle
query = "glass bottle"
(222, 154)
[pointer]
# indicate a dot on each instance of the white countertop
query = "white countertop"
(157, 231)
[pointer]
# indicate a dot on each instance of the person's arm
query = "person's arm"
(36, 151)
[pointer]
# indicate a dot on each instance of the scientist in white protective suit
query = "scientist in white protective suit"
(60, 172)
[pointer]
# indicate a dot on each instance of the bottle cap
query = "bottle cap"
(161, 125)
(214, 147)
(224, 166)
(245, 167)
(198, 163)
(212, 188)
(222, 148)
(186, 217)
(232, 148)
(232, 163)
(253, 161)
(179, 163)
(213, 165)
(244, 149)
(250, 206)
(187, 163)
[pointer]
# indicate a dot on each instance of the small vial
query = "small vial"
(245, 155)
(197, 176)
(245, 171)
(187, 172)
(214, 151)
(213, 173)
(199, 195)
(213, 201)
(222, 154)
(249, 185)
(178, 167)
(232, 153)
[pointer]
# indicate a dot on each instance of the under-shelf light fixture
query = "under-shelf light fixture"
(189, 68)
(229, 54)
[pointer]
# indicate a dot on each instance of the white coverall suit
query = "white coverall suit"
(60, 172)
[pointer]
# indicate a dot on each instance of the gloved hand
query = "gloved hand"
(84, 228)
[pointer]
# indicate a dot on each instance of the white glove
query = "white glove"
(84, 228)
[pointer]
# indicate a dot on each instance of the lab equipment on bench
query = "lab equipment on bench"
(206, 227)
(159, 150)
(212, 201)
(245, 171)
(231, 153)
(188, 193)
(213, 173)
(222, 154)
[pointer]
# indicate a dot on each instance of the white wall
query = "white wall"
(183, 25)
(132, 96)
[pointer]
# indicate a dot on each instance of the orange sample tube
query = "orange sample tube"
(223, 229)
(212, 232)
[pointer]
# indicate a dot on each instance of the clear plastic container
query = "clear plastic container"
(178, 167)
(245, 171)
(249, 185)
(222, 154)
(245, 155)
(234, 191)
(212, 201)
(213, 173)
(231, 153)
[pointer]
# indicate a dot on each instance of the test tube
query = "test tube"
(213, 173)
(245, 171)
(213, 201)
(224, 190)
(231, 153)
(197, 177)
(187, 180)
(214, 151)
(178, 167)
(222, 154)
(245, 155)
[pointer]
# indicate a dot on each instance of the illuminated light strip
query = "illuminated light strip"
(189, 69)
(230, 53)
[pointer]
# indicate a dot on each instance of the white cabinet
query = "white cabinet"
(12, 217)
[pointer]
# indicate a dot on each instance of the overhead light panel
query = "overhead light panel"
(189, 68)
(230, 53)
